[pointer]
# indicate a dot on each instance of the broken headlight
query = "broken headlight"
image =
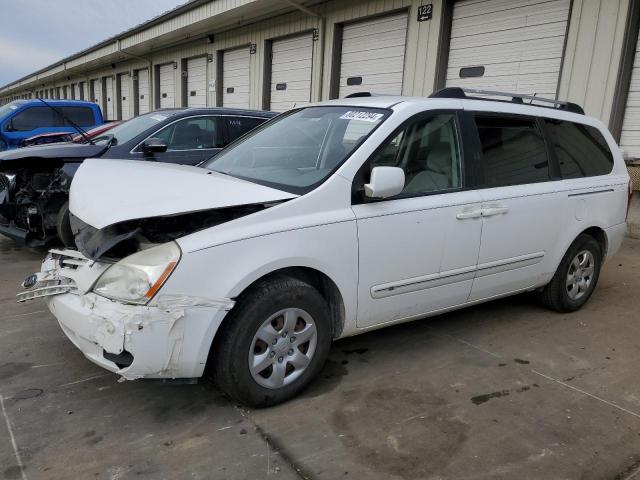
(137, 278)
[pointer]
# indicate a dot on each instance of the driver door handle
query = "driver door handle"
(496, 209)
(471, 212)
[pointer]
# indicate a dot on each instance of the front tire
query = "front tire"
(275, 342)
(576, 277)
(63, 227)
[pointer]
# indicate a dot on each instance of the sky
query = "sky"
(37, 33)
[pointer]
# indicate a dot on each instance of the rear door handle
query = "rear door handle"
(471, 212)
(491, 210)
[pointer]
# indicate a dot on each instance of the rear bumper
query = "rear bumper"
(615, 236)
(165, 342)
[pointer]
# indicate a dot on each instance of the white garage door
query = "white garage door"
(291, 62)
(167, 86)
(125, 98)
(235, 78)
(630, 138)
(144, 92)
(197, 82)
(97, 92)
(373, 55)
(518, 44)
(110, 98)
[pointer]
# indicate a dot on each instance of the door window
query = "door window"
(581, 150)
(513, 151)
(196, 133)
(34, 117)
(238, 126)
(428, 151)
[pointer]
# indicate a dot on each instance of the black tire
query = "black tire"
(556, 294)
(63, 227)
(229, 359)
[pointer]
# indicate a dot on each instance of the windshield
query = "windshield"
(299, 150)
(132, 128)
(9, 107)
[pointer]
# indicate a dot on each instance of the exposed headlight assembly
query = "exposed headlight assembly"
(138, 277)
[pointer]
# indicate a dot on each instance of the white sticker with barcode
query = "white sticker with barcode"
(158, 118)
(362, 116)
(13, 107)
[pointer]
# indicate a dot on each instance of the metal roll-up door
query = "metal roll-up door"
(167, 86)
(197, 82)
(507, 45)
(110, 98)
(144, 92)
(291, 72)
(235, 78)
(97, 94)
(372, 58)
(125, 98)
(630, 137)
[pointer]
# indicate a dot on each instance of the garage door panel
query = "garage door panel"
(377, 26)
(540, 50)
(374, 50)
(235, 82)
(471, 8)
(533, 15)
(197, 82)
(167, 86)
(519, 43)
(291, 68)
(144, 95)
(630, 137)
(556, 29)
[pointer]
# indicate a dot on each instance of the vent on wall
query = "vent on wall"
(351, 81)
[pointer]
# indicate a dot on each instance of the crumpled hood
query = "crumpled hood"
(53, 150)
(106, 191)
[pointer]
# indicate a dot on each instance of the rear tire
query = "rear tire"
(63, 227)
(576, 276)
(275, 342)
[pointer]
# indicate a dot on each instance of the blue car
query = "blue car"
(22, 119)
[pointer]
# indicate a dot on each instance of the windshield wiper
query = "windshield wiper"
(70, 122)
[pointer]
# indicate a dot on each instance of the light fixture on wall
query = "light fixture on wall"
(210, 57)
(175, 65)
(210, 38)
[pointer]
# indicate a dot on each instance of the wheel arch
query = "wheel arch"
(311, 275)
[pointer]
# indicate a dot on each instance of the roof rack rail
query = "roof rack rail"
(366, 94)
(457, 92)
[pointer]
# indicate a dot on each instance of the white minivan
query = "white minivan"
(328, 221)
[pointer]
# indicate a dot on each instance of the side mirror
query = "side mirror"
(154, 145)
(385, 182)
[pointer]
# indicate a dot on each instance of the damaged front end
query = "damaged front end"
(30, 201)
(160, 339)
(125, 238)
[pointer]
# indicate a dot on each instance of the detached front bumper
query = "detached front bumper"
(168, 339)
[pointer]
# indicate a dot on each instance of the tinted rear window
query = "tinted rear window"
(513, 151)
(581, 150)
(82, 116)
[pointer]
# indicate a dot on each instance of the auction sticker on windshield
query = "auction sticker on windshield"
(158, 118)
(362, 116)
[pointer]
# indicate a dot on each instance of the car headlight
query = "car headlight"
(138, 277)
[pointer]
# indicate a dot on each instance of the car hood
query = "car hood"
(105, 192)
(55, 150)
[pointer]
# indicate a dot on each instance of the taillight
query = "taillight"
(630, 195)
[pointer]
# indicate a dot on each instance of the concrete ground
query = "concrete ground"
(505, 390)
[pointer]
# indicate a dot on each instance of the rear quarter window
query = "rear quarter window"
(581, 150)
